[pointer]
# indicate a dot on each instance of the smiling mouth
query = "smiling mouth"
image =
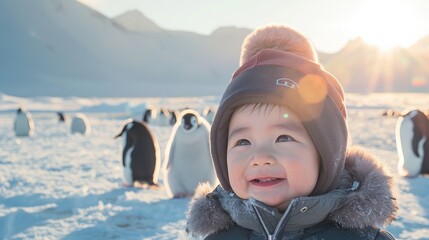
(263, 182)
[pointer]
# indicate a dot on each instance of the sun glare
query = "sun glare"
(386, 24)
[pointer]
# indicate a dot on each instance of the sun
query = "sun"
(386, 24)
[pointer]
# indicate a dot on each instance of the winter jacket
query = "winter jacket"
(362, 201)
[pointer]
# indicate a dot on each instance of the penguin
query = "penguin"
(188, 160)
(412, 133)
(163, 117)
(149, 115)
(24, 124)
(208, 114)
(80, 124)
(173, 117)
(61, 117)
(140, 155)
(390, 113)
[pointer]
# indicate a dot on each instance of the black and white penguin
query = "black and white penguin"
(61, 117)
(149, 115)
(163, 117)
(80, 124)
(390, 113)
(188, 161)
(24, 124)
(140, 155)
(412, 133)
(173, 117)
(209, 113)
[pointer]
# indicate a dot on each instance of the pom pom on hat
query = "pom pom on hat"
(277, 37)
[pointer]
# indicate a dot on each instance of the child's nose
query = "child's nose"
(262, 157)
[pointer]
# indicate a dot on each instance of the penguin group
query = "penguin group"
(24, 124)
(187, 151)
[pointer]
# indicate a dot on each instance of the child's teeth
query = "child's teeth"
(266, 180)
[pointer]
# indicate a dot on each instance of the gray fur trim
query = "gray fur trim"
(205, 215)
(373, 203)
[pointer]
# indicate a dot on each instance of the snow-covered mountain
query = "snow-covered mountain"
(135, 21)
(365, 68)
(64, 48)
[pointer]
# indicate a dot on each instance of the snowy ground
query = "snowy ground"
(55, 185)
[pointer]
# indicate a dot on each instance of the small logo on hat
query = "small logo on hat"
(287, 83)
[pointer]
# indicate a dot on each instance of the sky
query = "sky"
(329, 24)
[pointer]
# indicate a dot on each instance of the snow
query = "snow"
(58, 185)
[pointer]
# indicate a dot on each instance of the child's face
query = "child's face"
(270, 156)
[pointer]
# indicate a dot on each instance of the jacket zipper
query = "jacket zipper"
(270, 237)
(283, 218)
(279, 224)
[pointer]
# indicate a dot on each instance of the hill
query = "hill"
(64, 48)
(364, 68)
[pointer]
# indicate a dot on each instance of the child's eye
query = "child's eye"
(242, 142)
(285, 138)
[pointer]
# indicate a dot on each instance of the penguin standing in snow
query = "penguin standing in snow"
(80, 124)
(209, 114)
(163, 118)
(140, 155)
(173, 117)
(23, 125)
(61, 117)
(188, 161)
(149, 115)
(412, 133)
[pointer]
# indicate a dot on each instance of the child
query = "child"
(279, 143)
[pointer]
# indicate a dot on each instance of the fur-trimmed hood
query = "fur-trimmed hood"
(365, 197)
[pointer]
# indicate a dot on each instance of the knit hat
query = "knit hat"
(279, 66)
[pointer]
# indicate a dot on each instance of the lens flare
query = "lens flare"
(312, 88)
(419, 82)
